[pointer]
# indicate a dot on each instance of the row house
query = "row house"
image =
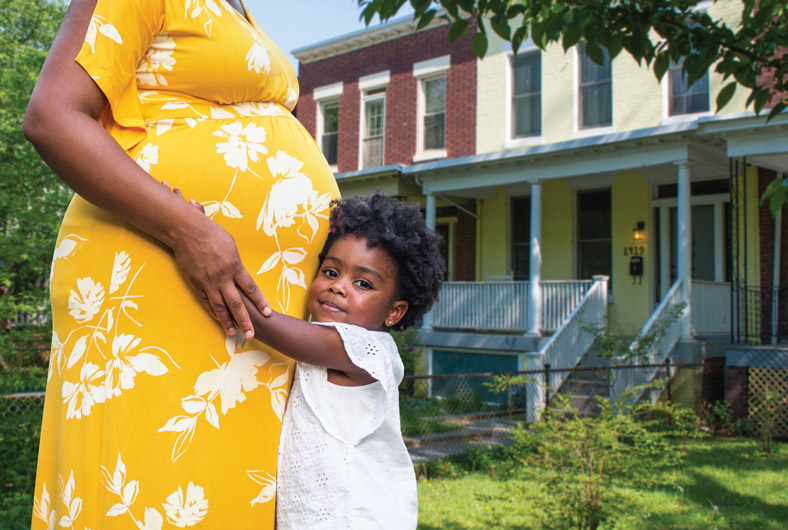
(567, 192)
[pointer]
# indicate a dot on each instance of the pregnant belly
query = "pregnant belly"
(262, 179)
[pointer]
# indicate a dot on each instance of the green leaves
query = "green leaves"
(656, 32)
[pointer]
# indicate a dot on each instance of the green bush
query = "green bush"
(19, 437)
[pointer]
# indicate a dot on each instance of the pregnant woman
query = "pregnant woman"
(156, 415)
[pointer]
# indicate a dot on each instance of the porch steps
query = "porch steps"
(583, 386)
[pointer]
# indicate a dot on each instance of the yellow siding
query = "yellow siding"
(630, 204)
(638, 98)
(557, 231)
(493, 235)
(491, 100)
(558, 113)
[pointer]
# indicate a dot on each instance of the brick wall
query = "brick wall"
(766, 233)
(465, 245)
(397, 56)
(736, 388)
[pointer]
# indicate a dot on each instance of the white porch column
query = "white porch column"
(430, 221)
(684, 265)
(664, 251)
(534, 390)
(535, 285)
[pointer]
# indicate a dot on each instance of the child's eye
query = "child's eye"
(364, 284)
(331, 273)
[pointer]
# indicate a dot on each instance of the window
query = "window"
(527, 95)
(434, 91)
(596, 97)
(594, 247)
(329, 134)
(521, 237)
(431, 124)
(684, 99)
(373, 128)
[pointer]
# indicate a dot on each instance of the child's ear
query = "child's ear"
(396, 312)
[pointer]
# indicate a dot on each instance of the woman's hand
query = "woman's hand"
(209, 260)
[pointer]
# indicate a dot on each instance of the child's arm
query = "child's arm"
(306, 342)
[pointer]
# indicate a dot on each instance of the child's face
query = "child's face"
(356, 285)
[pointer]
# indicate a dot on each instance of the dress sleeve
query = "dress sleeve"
(119, 34)
(376, 353)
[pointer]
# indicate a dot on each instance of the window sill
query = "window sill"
(682, 118)
(593, 131)
(514, 143)
(333, 167)
(432, 154)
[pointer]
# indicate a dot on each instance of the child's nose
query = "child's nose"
(337, 287)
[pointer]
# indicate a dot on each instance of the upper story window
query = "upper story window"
(373, 118)
(432, 100)
(527, 95)
(329, 135)
(684, 99)
(434, 91)
(596, 94)
(374, 128)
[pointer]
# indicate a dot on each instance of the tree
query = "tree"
(657, 32)
(32, 198)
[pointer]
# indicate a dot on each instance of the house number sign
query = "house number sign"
(634, 251)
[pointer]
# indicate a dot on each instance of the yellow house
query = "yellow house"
(593, 191)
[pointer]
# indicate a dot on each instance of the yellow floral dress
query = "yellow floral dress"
(154, 417)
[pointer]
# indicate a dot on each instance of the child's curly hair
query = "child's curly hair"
(399, 228)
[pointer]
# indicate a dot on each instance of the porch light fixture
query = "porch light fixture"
(639, 232)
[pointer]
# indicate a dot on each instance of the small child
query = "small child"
(342, 461)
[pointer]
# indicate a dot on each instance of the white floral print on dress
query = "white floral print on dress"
(158, 58)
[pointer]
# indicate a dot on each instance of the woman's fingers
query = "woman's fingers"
(253, 292)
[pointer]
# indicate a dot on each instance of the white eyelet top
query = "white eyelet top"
(342, 462)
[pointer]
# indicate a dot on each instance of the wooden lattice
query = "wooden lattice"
(762, 380)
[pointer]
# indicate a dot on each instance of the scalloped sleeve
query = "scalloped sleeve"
(375, 352)
(119, 34)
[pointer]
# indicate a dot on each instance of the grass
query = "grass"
(722, 483)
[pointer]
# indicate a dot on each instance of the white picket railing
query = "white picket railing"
(503, 306)
(666, 331)
(567, 345)
(711, 307)
(483, 306)
(559, 299)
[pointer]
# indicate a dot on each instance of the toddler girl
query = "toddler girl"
(342, 461)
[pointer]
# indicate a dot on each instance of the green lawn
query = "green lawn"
(722, 483)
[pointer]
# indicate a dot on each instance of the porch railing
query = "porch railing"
(503, 306)
(711, 307)
(566, 346)
(662, 332)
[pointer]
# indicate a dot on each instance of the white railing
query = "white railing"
(482, 306)
(664, 329)
(566, 346)
(711, 307)
(559, 298)
(503, 306)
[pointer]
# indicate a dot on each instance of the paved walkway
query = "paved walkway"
(484, 431)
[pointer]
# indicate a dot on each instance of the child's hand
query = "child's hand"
(177, 192)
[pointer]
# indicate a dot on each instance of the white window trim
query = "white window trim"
(591, 131)
(425, 71)
(511, 142)
(320, 122)
(324, 95)
(366, 83)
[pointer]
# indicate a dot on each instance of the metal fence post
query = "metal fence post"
(667, 374)
(546, 383)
